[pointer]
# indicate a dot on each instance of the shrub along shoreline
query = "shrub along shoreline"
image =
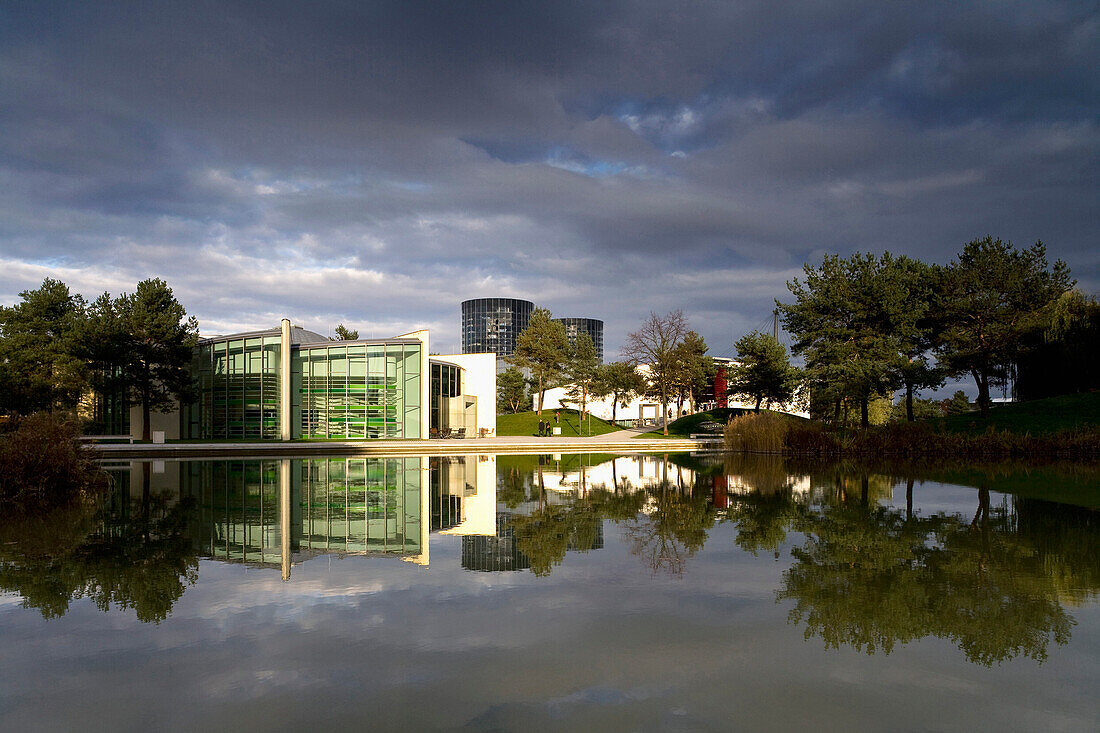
(44, 466)
(769, 432)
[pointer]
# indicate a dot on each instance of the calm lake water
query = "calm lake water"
(525, 593)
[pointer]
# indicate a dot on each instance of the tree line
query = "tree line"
(677, 368)
(870, 325)
(866, 327)
(58, 351)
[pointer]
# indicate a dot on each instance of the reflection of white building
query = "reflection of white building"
(635, 473)
(742, 485)
(631, 472)
(478, 485)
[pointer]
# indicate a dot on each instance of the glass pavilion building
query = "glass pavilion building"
(289, 383)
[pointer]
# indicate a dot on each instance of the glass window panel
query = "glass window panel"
(357, 367)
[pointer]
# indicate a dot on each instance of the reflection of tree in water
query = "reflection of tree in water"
(544, 534)
(675, 525)
(766, 507)
(142, 562)
(513, 485)
(872, 576)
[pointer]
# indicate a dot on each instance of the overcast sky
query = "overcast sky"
(376, 163)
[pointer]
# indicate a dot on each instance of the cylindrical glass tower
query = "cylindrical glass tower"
(492, 325)
(591, 326)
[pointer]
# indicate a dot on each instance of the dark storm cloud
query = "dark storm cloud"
(377, 163)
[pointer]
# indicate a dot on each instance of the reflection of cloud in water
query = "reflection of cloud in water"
(600, 643)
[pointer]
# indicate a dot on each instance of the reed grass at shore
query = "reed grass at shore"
(773, 433)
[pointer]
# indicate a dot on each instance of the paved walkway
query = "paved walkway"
(620, 441)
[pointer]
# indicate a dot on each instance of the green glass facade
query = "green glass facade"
(357, 390)
(237, 388)
(352, 505)
(337, 390)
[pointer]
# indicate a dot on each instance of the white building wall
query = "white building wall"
(479, 379)
(636, 409)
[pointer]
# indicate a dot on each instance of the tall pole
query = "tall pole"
(775, 324)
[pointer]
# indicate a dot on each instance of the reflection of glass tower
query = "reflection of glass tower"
(593, 327)
(492, 325)
(494, 553)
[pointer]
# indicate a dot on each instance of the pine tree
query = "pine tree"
(161, 341)
(993, 295)
(621, 382)
(581, 371)
(37, 339)
(542, 350)
(763, 371)
(511, 390)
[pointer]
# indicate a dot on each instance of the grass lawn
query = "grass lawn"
(527, 423)
(1037, 417)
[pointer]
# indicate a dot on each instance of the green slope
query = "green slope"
(1037, 417)
(527, 423)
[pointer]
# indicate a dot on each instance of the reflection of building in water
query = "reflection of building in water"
(626, 472)
(636, 473)
(494, 553)
(279, 512)
(501, 552)
(449, 488)
(275, 512)
(463, 494)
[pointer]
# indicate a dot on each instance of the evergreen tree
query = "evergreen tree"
(621, 382)
(161, 341)
(694, 370)
(958, 404)
(993, 294)
(763, 371)
(916, 324)
(37, 340)
(844, 321)
(511, 390)
(343, 333)
(581, 371)
(104, 344)
(542, 349)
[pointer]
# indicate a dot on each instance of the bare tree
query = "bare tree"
(656, 344)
